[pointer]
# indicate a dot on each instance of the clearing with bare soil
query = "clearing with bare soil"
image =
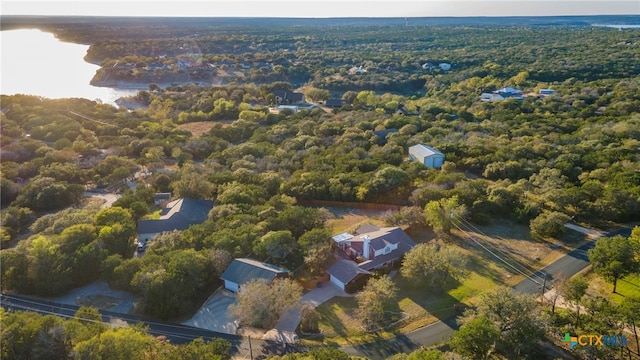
(198, 128)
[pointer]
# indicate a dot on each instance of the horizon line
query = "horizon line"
(315, 17)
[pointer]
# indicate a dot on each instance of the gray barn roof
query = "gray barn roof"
(424, 151)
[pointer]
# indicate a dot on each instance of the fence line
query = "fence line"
(350, 205)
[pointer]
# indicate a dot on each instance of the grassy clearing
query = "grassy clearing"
(198, 128)
(627, 287)
(349, 221)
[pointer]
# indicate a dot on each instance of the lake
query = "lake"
(36, 63)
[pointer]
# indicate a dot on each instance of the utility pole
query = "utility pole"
(544, 285)
(250, 348)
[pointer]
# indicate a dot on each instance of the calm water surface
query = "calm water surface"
(36, 63)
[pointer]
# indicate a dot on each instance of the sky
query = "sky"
(322, 9)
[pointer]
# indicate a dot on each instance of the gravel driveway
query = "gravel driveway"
(213, 315)
(99, 294)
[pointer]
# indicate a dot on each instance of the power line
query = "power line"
(504, 254)
(494, 254)
(94, 120)
(15, 303)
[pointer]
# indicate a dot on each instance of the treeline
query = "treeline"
(27, 335)
(393, 57)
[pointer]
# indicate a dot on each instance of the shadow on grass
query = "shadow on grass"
(383, 348)
(329, 313)
(439, 304)
(481, 267)
(629, 283)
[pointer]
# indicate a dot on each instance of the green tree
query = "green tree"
(444, 214)
(315, 237)
(372, 300)
(548, 224)
(573, 291)
(433, 265)
(315, 94)
(517, 318)
(475, 339)
(319, 258)
(124, 343)
(275, 244)
(630, 309)
(261, 304)
(614, 258)
(309, 319)
(410, 216)
(47, 271)
(192, 184)
(215, 349)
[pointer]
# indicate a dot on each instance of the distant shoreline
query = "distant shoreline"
(8, 22)
(630, 26)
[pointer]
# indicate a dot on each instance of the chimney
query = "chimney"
(365, 247)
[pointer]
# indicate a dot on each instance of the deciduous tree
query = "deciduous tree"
(433, 265)
(475, 339)
(444, 214)
(372, 299)
(573, 291)
(614, 258)
(261, 304)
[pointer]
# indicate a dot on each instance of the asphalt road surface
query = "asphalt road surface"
(435, 333)
(566, 266)
(177, 334)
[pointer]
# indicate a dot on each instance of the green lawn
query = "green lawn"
(627, 287)
(339, 325)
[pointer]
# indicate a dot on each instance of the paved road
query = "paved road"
(568, 265)
(177, 334)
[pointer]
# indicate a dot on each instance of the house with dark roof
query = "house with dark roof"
(381, 135)
(334, 103)
(177, 215)
(346, 274)
(243, 270)
(367, 249)
(288, 98)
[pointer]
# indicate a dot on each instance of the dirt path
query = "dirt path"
(591, 233)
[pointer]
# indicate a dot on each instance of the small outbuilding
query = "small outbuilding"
(426, 155)
(243, 270)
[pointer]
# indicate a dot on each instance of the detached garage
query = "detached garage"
(242, 270)
(427, 156)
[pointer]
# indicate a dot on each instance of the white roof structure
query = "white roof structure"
(424, 150)
(342, 237)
